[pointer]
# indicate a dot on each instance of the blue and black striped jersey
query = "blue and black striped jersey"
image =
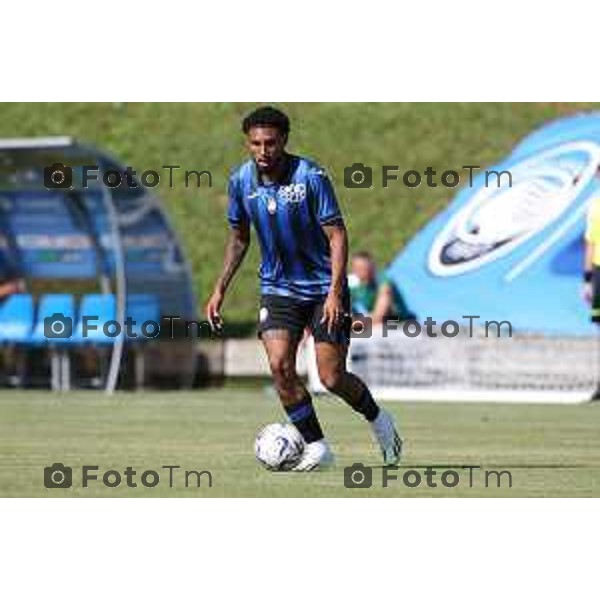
(288, 217)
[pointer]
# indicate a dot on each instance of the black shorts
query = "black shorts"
(283, 312)
(596, 295)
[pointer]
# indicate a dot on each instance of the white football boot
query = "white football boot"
(316, 457)
(388, 438)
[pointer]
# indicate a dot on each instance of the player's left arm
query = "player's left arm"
(329, 216)
(333, 309)
(338, 245)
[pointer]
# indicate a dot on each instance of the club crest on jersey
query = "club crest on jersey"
(293, 193)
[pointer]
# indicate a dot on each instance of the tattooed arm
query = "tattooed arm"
(237, 246)
(333, 309)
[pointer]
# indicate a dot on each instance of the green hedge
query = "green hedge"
(207, 136)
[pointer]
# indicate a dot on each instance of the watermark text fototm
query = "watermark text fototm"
(362, 327)
(359, 476)
(60, 326)
(359, 175)
(59, 176)
(59, 476)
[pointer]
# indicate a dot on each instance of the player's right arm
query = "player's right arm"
(237, 246)
(235, 251)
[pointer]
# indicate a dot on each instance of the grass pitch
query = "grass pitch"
(549, 450)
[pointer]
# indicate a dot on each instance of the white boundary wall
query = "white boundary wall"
(524, 368)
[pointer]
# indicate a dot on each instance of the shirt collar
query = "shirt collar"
(291, 162)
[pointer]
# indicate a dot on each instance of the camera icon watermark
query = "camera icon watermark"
(358, 176)
(58, 326)
(58, 177)
(358, 476)
(362, 326)
(58, 476)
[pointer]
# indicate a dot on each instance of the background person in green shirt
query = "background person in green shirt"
(375, 294)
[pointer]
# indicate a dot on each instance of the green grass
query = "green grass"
(207, 136)
(550, 450)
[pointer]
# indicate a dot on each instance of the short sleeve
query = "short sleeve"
(323, 196)
(592, 231)
(236, 213)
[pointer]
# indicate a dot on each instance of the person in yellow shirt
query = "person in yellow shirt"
(591, 268)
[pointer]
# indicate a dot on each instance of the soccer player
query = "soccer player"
(291, 204)
(591, 269)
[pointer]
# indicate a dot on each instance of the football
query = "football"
(278, 446)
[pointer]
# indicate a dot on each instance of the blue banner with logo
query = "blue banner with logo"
(514, 252)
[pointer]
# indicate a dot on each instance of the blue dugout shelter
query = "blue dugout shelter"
(85, 249)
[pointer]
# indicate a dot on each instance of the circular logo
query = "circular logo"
(57, 477)
(358, 327)
(57, 327)
(357, 177)
(499, 218)
(271, 206)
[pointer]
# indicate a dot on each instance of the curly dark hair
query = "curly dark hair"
(267, 116)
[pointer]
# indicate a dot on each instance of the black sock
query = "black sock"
(303, 416)
(366, 406)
